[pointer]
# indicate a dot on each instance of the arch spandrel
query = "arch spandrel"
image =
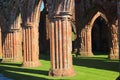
(59, 7)
(30, 10)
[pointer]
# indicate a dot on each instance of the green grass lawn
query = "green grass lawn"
(92, 68)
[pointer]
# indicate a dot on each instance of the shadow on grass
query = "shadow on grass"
(101, 53)
(16, 72)
(12, 64)
(0, 60)
(97, 62)
(13, 72)
(17, 76)
(118, 78)
(24, 70)
(44, 57)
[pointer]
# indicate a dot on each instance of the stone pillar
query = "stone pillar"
(30, 10)
(118, 11)
(114, 50)
(47, 34)
(61, 47)
(11, 47)
(85, 49)
(89, 42)
(12, 42)
(30, 46)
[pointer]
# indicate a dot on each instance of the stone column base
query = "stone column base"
(84, 54)
(113, 56)
(62, 73)
(11, 60)
(7, 60)
(31, 64)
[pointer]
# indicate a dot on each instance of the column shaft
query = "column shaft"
(114, 51)
(61, 43)
(85, 43)
(12, 51)
(30, 44)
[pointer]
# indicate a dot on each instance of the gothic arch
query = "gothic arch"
(98, 14)
(100, 43)
(86, 45)
(90, 27)
(92, 13)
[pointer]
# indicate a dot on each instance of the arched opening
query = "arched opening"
(100, 36)
(44, 29)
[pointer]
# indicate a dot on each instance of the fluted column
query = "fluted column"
(61, 47)
(47, 35)
(12, 41)
(85, 43)
(114, 50)
(12, 51)
(30, 46)
(30, 10)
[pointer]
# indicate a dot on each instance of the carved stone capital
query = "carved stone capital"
(27, 25)
(13, 30)
(62, 15)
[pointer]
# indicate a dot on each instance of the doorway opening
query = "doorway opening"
(100, 37)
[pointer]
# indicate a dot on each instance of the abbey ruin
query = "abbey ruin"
(26, 32)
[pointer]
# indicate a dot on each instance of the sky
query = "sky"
(42, 6)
